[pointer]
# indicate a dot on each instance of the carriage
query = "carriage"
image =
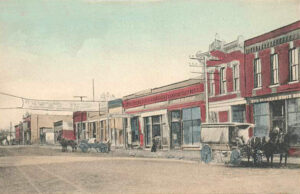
(227, 139)
(86, 145)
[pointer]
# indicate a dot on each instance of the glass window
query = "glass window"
(294, 64)
(156, 120)
(147, 128)
(274, 69)
(187, 114)
(261, 119)
(238, 113)
(236, 78)
(187, 132)
(175, 115)
(195, 113)
(294, 120)
(191, 126)
(257, 73)
(223, 80)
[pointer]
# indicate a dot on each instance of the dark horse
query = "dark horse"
(66, 142)
(277, 144)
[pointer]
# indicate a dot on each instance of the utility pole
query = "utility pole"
(77, 132)
(204, 57)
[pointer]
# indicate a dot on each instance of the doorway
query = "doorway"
(175, 129)
(278, 115)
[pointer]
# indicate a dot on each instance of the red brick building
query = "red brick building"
(226, 86)
(272, 84)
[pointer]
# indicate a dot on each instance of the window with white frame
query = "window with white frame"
(294, 64)
(223, 80)
(211, 84)
(257, 73)
(236, 77)
(274, 69)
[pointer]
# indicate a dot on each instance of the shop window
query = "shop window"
(274, 69)
(236, 77)
(238, 113)
(294, 64)
(156, 126)
(294, 121)
(147, 128)
(223, 80)
(134, 129)
(261, 119)
(257, 73)
(191, 126)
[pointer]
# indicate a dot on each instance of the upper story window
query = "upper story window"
(274, 69)
(236, 77)
(294, 64)
(211, 84)
(257, 73)
(223, 80)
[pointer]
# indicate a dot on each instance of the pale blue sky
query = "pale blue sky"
(52, 49)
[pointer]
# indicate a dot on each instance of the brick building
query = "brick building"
(226, 83)
(273, 81)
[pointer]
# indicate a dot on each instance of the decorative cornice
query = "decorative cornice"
(290, 36)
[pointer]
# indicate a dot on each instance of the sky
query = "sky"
(52, 49)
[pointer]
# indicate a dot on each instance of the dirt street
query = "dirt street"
(41, 170)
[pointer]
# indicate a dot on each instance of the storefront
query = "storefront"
(172, 114)
(280, 110)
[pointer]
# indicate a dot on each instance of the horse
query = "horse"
(278, 143)
(255, 147)
(66, 142)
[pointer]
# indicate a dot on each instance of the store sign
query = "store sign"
(65, 105)
(274, 98)
(175, 94)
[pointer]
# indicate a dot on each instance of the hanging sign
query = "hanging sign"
(64, 105)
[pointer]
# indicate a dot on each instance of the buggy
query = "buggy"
(228, 138)
(86, 145)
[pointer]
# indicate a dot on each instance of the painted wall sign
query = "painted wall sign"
(273, 98)
(179, 93)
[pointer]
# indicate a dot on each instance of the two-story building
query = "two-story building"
(226, 86)
(273, 81)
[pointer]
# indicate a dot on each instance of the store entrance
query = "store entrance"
(175, 130)
(278, 115)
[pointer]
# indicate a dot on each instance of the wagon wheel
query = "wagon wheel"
(206, 154)
(235, 157)
(84, 147)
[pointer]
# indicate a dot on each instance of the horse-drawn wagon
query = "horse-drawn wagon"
(227, 138)
(86, 145)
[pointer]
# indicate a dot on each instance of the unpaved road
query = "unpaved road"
(40, 170)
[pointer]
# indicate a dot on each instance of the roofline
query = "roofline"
(272, 31)
(161, 87)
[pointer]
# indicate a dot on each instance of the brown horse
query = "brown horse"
(66, 142)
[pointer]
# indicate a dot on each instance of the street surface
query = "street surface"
(44, 170)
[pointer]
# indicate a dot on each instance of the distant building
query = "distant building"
(33, 123)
